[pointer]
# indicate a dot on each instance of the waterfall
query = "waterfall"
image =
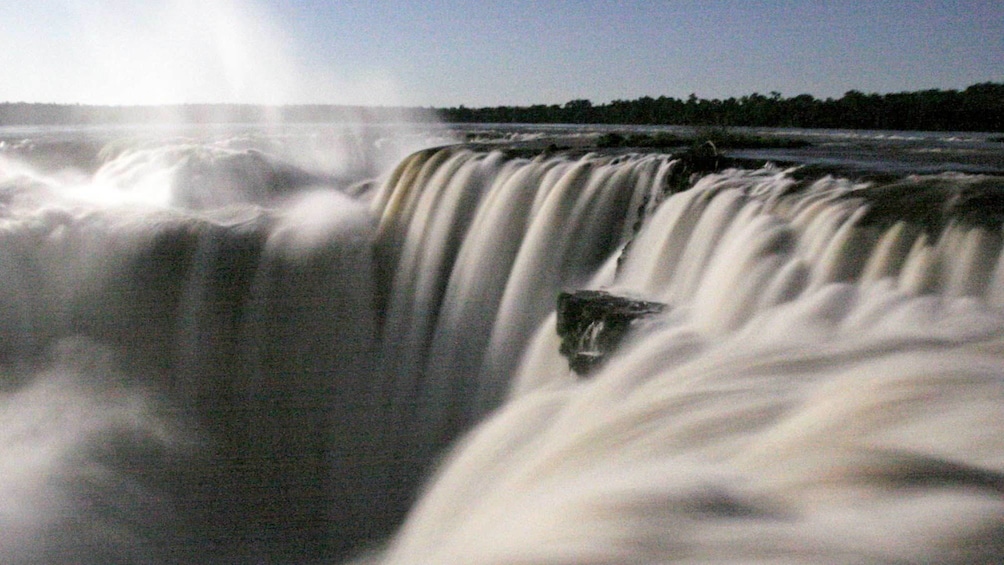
(479, 245)
(824, 340)
(261, 361)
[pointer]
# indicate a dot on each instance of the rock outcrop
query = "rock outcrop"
(592, 323)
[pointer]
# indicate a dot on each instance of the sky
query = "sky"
(444, 53)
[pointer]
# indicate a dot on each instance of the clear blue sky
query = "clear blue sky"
(482, 53)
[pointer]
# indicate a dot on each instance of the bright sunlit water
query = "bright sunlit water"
(310, 343)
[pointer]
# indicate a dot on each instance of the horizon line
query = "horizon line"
(462, 105)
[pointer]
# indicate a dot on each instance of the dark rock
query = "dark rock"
(592, 323)
(935, 201)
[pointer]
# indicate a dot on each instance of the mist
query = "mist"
(115, 52)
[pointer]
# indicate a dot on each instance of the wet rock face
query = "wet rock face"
(592, 323)
(936, 201)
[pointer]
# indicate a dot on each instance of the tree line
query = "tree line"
(979, 107)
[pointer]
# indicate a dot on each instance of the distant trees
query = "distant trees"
(979, 107)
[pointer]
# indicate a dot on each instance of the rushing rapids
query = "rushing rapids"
(245, 358)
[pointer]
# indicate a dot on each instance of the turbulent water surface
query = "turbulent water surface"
(314, 343)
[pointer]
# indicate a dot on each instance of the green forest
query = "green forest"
(979, 107)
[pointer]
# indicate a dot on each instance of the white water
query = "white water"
(232, 358)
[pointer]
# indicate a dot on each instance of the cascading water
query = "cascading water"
(259, 362)
(825, 385)
(479, 246)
